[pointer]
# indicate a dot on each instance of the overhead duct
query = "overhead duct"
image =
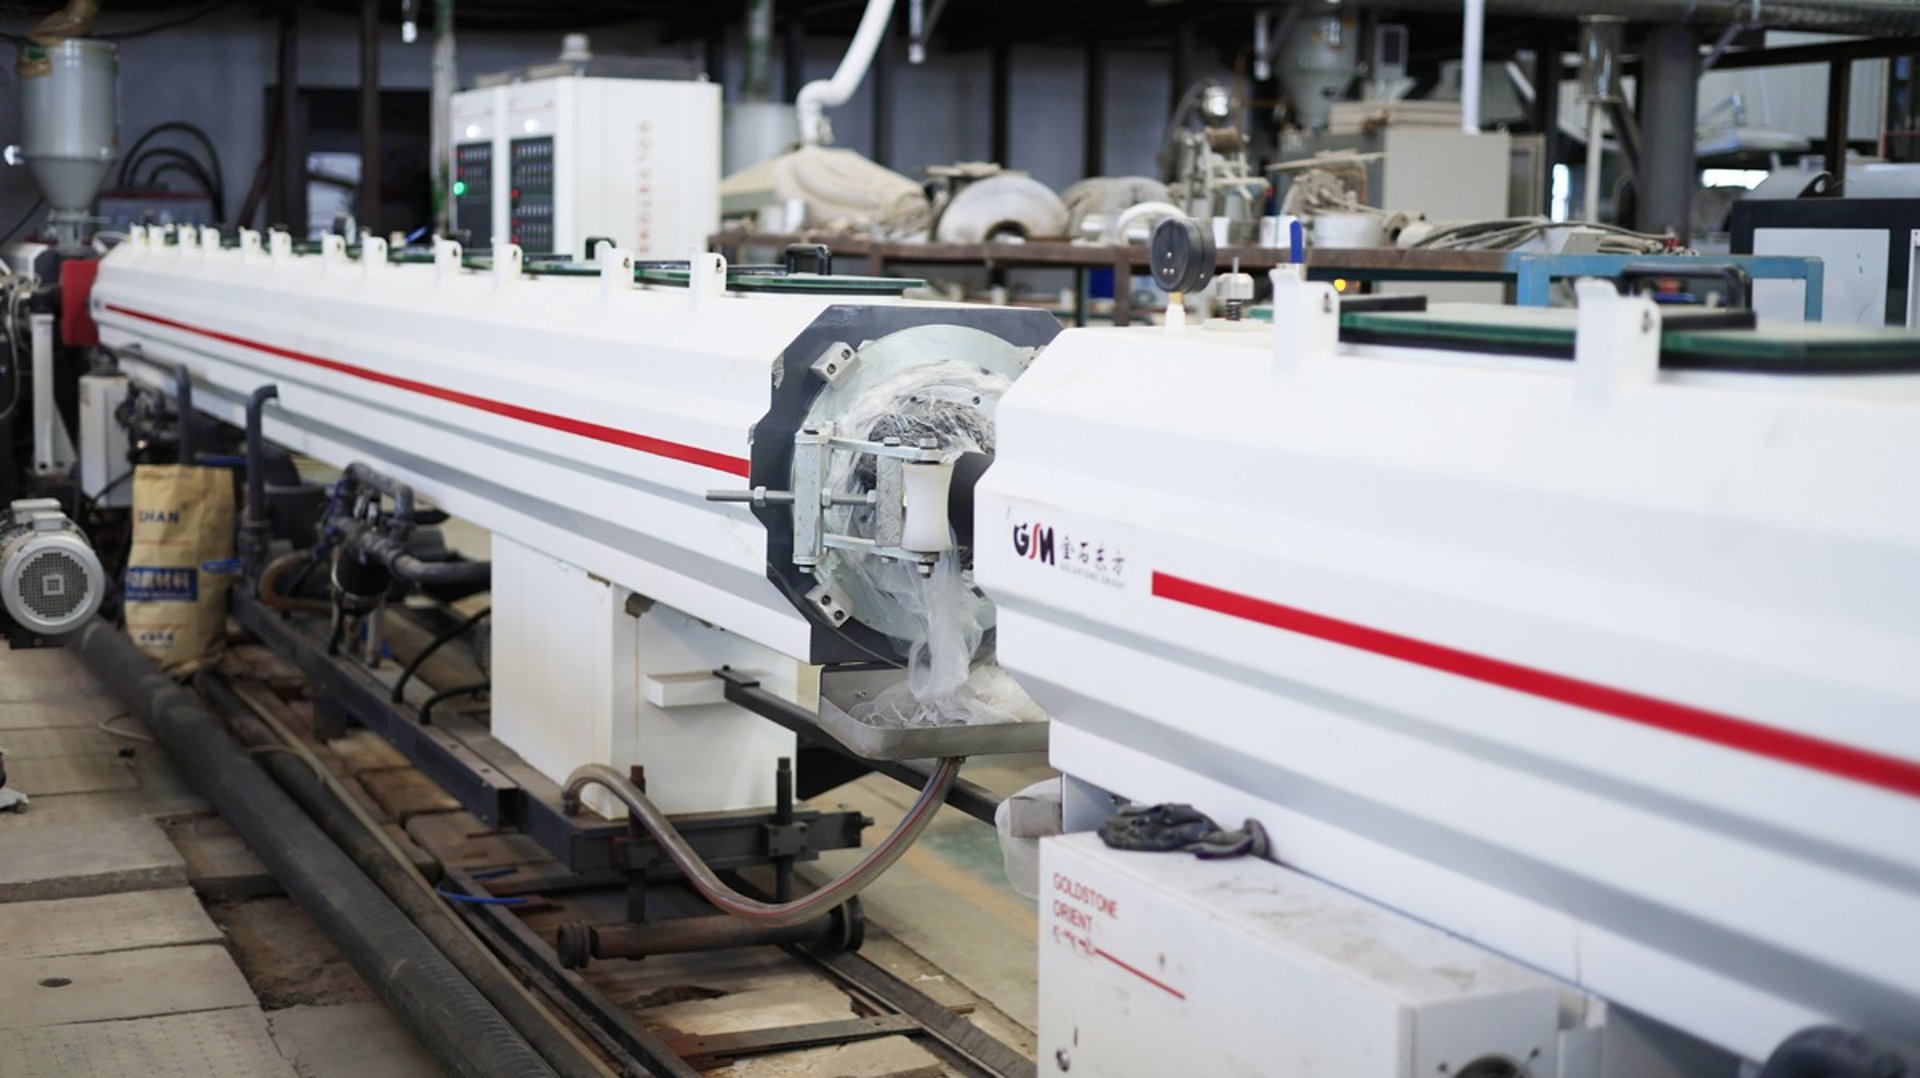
(1828, 16)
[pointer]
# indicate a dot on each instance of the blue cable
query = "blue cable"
(478, 900)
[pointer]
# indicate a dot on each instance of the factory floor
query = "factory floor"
(141, 937)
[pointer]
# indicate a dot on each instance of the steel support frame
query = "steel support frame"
(1534, 274)
(744, 691)
(444, 751)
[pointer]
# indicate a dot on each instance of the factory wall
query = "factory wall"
(213, 73)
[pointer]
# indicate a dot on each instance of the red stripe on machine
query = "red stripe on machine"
(1161, 985)
(659, 447)
(1785, 746)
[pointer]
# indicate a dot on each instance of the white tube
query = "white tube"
(1473, 48)
(822, 94)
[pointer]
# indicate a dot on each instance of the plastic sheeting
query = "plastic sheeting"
(951, 678)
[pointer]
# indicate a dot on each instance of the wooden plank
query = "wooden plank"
(123, 984)
(360, 750)
(86, 859)
(708, 1050)
(459, 840)
(403, 793)
(232, 1041)
(98, 924)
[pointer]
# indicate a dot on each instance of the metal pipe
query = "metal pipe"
(1670, 93)
(289, 164)
(183, 404)
(46, 416)
(1595, 161)
(1001, 126)
(401, 493)
(369, 118)
(1831, 16)
(704, 880)
(360, 836)
(1473, 55)
(757, 83)
(254, 526)
(1839, 115)
(445, 80)
(256, 508)
(1093, 153)
(839, 930)
(441, 1008)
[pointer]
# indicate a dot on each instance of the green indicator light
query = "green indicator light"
(459, 187)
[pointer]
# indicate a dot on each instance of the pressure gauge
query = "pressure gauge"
(1182, 255)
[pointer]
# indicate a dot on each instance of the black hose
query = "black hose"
(401, 493)
(403, 563)
(190, 130)
(411, 894)
(441, 1008)
(441, 697)
(1833, 1052)
(438, 642)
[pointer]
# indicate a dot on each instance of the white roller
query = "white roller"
(927, 530)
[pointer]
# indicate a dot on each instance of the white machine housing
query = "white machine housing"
(1605, 668)
(1157, 964)
(569, 158)
(583, 420)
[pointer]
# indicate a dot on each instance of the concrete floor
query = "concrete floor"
(110, 962)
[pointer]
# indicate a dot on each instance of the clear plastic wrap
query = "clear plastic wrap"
(951, 676)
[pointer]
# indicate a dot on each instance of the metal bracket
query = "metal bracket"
(830, 603)
(786, 839)
(835, 362)
(810, 455)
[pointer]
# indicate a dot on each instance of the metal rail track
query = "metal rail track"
(891, 1007)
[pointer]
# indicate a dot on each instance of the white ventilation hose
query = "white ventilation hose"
(822, 94)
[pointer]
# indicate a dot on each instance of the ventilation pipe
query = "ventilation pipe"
(822, 94)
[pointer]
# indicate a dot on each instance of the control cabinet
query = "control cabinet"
(574, 158)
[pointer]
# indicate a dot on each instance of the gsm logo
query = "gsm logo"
(1034, 541)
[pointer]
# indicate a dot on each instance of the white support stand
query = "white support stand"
(575, 659)
(1616, 344)
(1306, 319)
